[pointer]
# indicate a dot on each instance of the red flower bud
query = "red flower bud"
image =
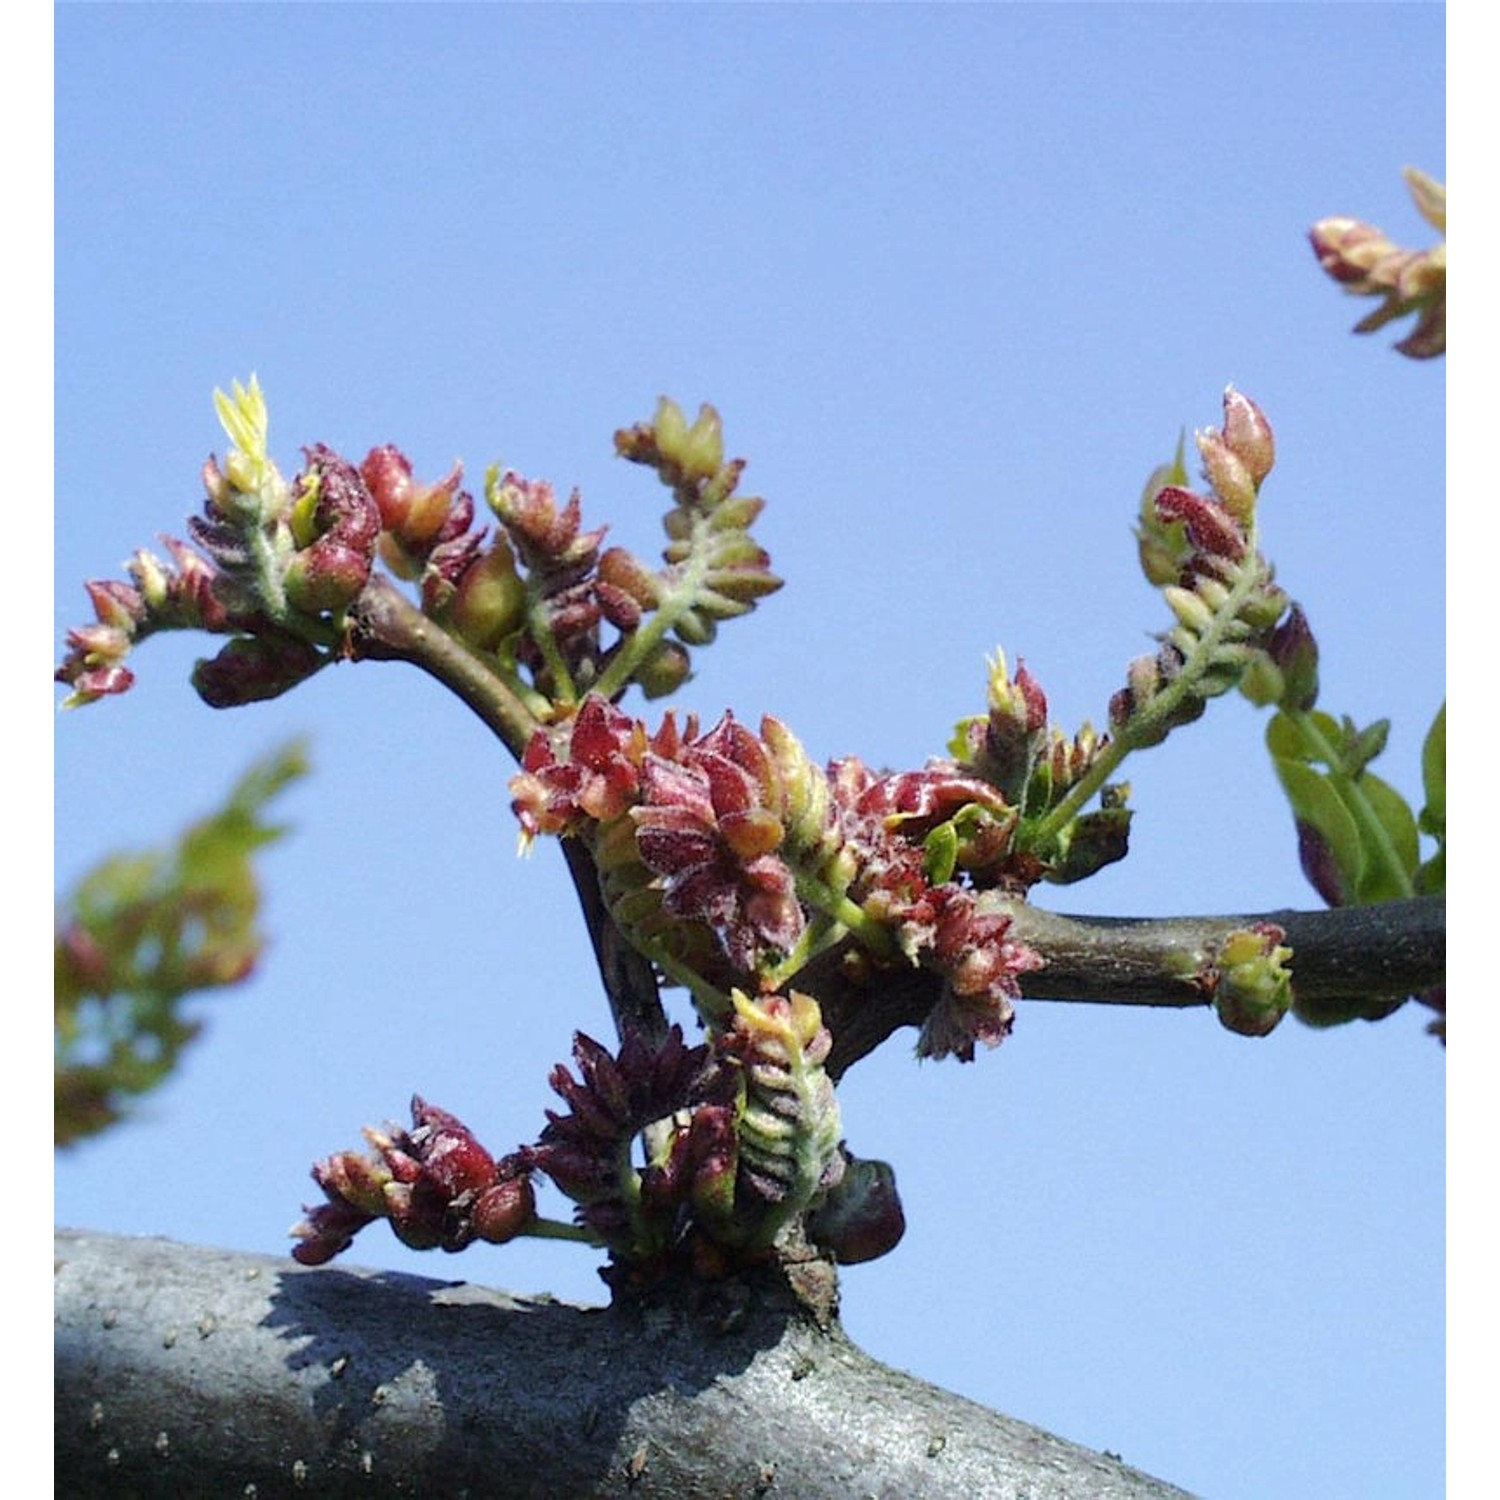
(505, 1210)
(251, 669)
(1210, 526)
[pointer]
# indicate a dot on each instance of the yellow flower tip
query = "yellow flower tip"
(670, 424)
(793, 1018)
(998, 692)
(1430, 197)
(243, 416)
(696, 451)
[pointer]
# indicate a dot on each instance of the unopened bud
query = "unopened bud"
(116, 604)
(387, 473)
(1189, 609)
(1248, 435)
(1262, 682)
(1228, 475)
(251, 669)
(861, 1218)
(703, 447)
(688, 455)
(665, 670)
(151, 578)
(505, 1210)
(491, 598)
(1210, 526)
(1253, 987)
(1094, 840)
(326, 576)
(1295, 651)
(622, 569)
(215, 485)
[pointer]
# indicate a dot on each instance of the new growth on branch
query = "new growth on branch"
(807, 911)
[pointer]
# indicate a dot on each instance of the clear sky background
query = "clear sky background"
(956, 277)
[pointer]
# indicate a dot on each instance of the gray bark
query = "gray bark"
(188, 1372)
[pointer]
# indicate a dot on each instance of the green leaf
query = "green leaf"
(1434, 819)
(1432, 876)
(1361, 746)
(940, 853)
(139, 934)
(1380, 882)
(1316, 801)
(1287, 739)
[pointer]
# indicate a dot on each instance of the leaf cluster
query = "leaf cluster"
(142, 932)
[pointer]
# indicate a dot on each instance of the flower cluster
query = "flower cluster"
(1036, 766)
(160, 596)
(789, 1117)
(671, 1154)
(435, 1183)
(423, 526)
(1234, 626)
(703, 823)
(613, 1100)
(730, 858)
(274, 565)
(1369, 264)
(740, 1135)
(280, 566)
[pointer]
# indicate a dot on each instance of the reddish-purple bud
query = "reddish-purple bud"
(387, 473)
(623, 570)
(417, 515)
(505, 1210)
(452, 1159)
(1210, 526)
(1295, 651)
(861, 1218)
(328, 572)
(251, 669)
(116, 604)
(1319, 865)
(326, 576)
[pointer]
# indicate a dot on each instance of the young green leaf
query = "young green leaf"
(139, 934)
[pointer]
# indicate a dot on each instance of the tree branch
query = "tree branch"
(386, 626)
(186, 1371)
(1396, 948)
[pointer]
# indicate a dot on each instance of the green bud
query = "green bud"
(151, 578)
(695, 629)
(702, 450)
(1263, 683)
(665, 670)
(1229, 476)
(1189, 608)
(491, 598)
(1252, 985)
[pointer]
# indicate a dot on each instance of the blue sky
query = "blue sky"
(956, 277)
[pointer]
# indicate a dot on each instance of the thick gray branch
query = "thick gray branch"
(182, 1371)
